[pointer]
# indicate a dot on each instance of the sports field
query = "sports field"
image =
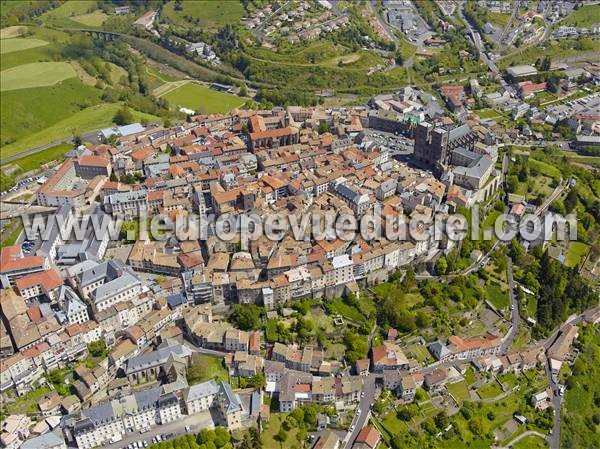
(36, 74)
(19, 43)
(202, 99)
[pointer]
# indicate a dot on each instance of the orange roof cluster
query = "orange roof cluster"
(11, 259)
(93, 161)
(460, 345)
(48, 279)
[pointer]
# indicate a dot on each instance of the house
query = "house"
(328, 439)
(368, 438)
(362, 367)
(388, 356)
(540, 400)
(408, 387)
(436, 380)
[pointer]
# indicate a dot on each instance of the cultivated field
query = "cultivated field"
(36, 74)
(202, 99)
(14, 31)
(18, 44)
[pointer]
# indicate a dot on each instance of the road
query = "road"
(514, 305)
(365, 410)
(509, 24)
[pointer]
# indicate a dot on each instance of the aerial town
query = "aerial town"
(121, 328)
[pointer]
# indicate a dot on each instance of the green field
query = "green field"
(489, 390)
(212, 15)
(36, 74)
(272, 428)
(530, 442)
(498, 19)
(497, 297)
(34, 161)
(89, 119)
(19, 44)
(202, 99)
(583, 17)
(576, 251)
(459, 390)
(76, 13)
(204, 367)
(28, 111)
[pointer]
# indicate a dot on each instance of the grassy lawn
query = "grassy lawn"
(89, 119)
(487, 113)
(18, 44)
(392, 424)
(509, 379)
(459, 390)
(211, 14)
(202, 99)
(36, 74)
(381, 290)
(420, 353)
(531, 442)
(94, 19)
(34, 161)
(27, 111)
(27, 404)
(576, 251)
(497, 297)
(204, 367)
(583, 17)
(406, 48)
(498, 19)
(543, 167)
(489, 390)
(270, 431)
(340, 307)
(10, 232)
(470, 376)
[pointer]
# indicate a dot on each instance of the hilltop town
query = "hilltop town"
(164, 283)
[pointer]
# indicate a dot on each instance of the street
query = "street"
(365, 410)
(514, 305)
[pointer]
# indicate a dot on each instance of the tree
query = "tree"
(441, 266)
(247, 316)
(257, 381)
(123, 116)
(222, 437)
(323, 128)
(243, 91)
(97, 348)
(570, 201)
(281, 436)
(516, 252)
(77, 140)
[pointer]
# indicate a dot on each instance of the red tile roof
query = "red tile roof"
(368, 435)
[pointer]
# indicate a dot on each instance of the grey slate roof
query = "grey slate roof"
(46, 441)
(156, 358)
(202, 390)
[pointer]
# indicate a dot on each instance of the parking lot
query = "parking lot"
(194, 423)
